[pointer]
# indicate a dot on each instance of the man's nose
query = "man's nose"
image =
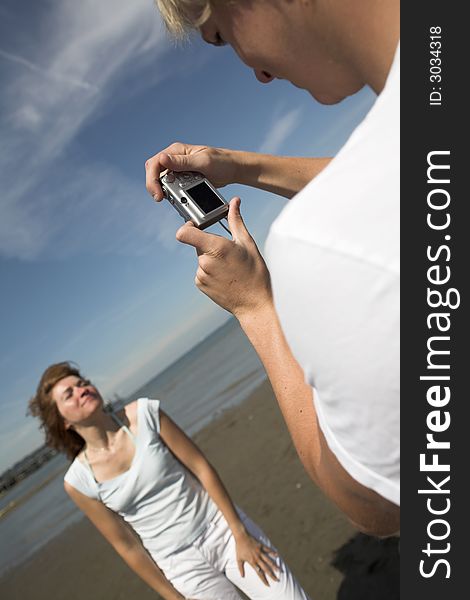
(263, 76)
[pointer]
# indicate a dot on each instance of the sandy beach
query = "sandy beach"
(252, 450)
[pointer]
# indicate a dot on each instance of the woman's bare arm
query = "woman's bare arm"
(125, 541)
(248, 549)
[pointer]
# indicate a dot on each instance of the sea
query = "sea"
(218, 373)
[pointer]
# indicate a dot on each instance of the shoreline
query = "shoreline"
(22, 499)
(250, 447)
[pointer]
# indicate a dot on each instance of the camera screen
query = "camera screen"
(204, 197)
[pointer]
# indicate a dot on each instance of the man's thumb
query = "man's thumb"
(235, 221)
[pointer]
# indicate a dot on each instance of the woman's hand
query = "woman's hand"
(260, 557)
(217, 164)
(231, 272)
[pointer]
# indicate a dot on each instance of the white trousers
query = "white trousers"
(208, 569)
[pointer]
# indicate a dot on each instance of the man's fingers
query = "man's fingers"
(152, 181)
(241, 567)
(160, 162)
(177, 162)
(175, 159)
(204, 243)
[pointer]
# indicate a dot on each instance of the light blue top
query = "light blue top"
(162, 501)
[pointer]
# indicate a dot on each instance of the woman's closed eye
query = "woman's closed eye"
(80, 383)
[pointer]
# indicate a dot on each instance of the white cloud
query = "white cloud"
(27, 117)
(90, 207)
(49, 74)
(89, 46)
(280, 130)
(55, 86)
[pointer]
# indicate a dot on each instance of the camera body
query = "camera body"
(194, 197)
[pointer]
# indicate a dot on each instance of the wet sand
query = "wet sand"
(251, 448)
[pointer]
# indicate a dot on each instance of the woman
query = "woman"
(152, 494)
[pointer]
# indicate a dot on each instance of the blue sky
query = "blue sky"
(89, 267)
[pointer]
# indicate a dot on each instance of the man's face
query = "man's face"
(285, 39)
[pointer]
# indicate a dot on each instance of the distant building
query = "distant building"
(27, 465)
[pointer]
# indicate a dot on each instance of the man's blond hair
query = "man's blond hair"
(182, 16)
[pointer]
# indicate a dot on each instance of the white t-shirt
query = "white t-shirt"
(162, 501)
(333, 254)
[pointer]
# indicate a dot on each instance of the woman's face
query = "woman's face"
(76, 399)
(284, 39)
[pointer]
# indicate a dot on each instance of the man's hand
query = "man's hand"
(217, 164)
(231, 272)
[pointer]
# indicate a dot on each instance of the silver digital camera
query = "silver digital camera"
(194, 197)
